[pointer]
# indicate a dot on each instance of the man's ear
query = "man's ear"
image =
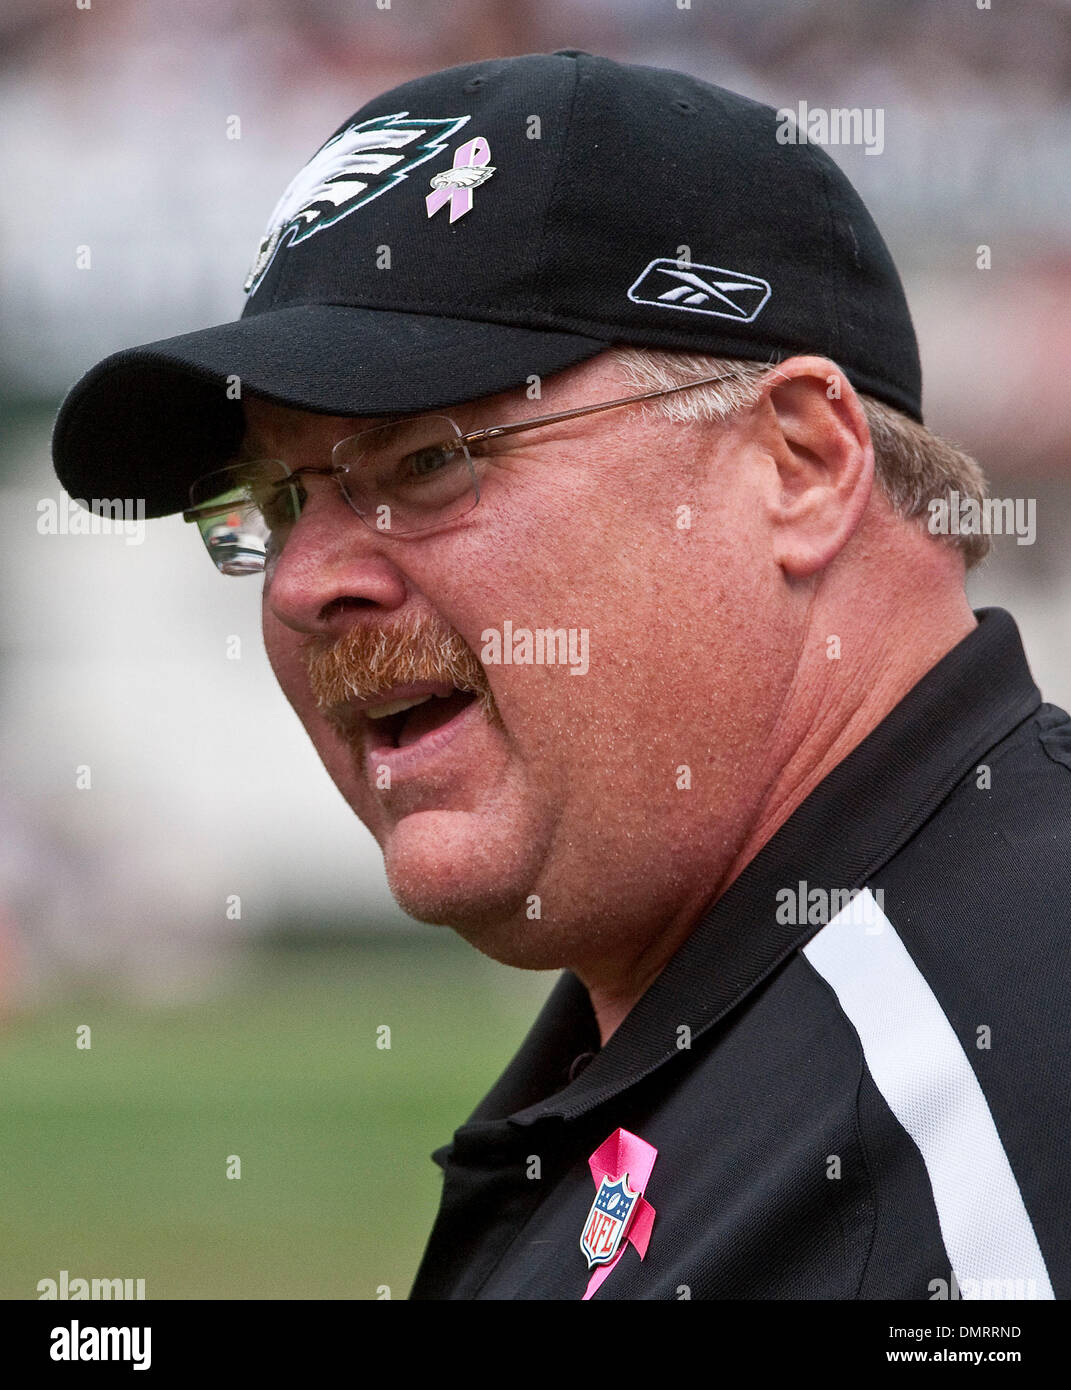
(816, 434)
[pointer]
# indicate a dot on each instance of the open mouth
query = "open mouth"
(403, 722)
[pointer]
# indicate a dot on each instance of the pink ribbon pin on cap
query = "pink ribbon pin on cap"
(472, 166)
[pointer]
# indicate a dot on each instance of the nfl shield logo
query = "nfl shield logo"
(607, 1221)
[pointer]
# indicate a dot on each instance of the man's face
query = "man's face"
(606, 796)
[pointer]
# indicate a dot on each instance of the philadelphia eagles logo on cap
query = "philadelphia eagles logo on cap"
(355, 166)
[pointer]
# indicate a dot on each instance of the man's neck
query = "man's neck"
(825, 718)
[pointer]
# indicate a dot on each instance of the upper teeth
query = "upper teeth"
(395, 707)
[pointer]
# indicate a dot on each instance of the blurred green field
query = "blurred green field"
(113, 1160)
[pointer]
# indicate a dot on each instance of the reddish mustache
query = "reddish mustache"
(366, 661)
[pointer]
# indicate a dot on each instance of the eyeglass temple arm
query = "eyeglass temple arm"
(493, 431)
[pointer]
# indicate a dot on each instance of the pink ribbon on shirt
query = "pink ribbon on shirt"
(472, 152)
(620, 1154)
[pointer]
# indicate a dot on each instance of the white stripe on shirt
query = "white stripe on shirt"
(923, 1073)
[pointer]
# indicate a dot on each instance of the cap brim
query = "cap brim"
(146, 422)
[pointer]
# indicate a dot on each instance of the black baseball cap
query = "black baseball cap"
(499, 220)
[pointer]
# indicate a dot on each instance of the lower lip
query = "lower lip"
(415, 757)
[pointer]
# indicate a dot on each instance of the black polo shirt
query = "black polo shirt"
(851, 1097)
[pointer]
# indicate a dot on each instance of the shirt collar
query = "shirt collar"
(866, 809)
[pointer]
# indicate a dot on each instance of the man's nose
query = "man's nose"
(331, 564)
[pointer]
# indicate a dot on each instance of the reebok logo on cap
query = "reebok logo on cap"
(704, 289)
